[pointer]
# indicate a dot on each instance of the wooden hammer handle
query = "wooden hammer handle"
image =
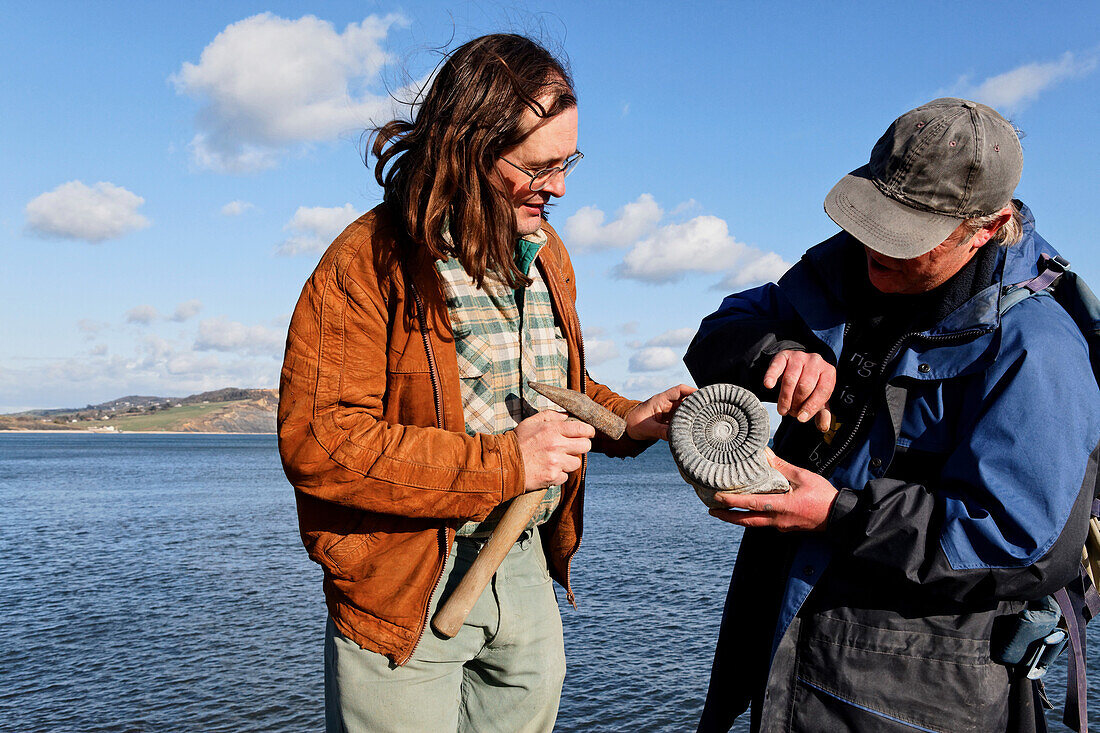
(452, 614)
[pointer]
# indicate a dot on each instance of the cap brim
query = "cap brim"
(883, 224)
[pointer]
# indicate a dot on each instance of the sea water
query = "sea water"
(158, 583)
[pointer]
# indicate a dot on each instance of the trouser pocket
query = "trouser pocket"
(856, 676)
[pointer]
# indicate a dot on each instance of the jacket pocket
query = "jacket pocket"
(856, 675)
(348, 551)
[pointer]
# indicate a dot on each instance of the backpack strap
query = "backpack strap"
(1092, 596)
(1075, 714)
(1080, 603)
(1050, 269)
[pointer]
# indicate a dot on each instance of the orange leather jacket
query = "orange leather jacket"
(372, 433)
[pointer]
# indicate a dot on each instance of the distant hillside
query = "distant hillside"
(229, 410)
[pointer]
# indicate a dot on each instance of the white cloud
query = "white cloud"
(156, 367)
(220, 334)
(662, 253)
(146, 314)
(766, 267)
(643, 386)
(188, 363)
(236, 208)
(702, 244)
(179, 369)
(267, 83)
(187, 309)
(88, 326)
(1015, 89)
(246, 158)
(75, 210)
(143, 314)
(315, 227)
(676, 337)
(585, 230)
(630, 327)
(686, 207)
(653, 359)
(597, 351)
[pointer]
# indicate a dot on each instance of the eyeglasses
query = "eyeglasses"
(540, 179)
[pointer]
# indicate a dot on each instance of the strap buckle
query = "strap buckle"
(1043, 652)
(1058, 263)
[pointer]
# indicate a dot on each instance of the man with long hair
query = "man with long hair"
(406, 423)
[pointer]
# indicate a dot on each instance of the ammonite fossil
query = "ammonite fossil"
(717, 436)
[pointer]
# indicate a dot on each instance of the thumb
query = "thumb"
(679, 392)
(780, 465)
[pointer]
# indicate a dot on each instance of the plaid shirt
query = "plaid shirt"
(500, 348)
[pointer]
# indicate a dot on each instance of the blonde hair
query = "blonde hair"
(1010, 232)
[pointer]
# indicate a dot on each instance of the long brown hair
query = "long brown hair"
(440, 163)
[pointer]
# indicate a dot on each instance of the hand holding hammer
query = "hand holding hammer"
(551, 447)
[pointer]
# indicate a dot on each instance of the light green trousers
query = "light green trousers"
(503, 671)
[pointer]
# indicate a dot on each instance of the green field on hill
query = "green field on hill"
(166, 419)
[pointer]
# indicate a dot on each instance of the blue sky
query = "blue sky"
(171, 173)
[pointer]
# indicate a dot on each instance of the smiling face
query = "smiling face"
(549, 143)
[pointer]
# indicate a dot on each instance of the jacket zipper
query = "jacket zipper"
(554, 285)
(847, 444)
(584, 464)
(437, 389)
(437, 394)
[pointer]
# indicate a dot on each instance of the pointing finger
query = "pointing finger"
(776, 368)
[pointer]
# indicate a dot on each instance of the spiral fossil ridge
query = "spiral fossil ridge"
(718, 437)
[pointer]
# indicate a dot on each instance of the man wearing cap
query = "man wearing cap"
(942, 454)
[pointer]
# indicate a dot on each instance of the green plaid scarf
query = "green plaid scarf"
(499, 349)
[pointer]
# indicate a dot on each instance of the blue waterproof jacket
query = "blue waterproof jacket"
(967, 494)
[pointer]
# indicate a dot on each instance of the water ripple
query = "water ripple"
(158, 583)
